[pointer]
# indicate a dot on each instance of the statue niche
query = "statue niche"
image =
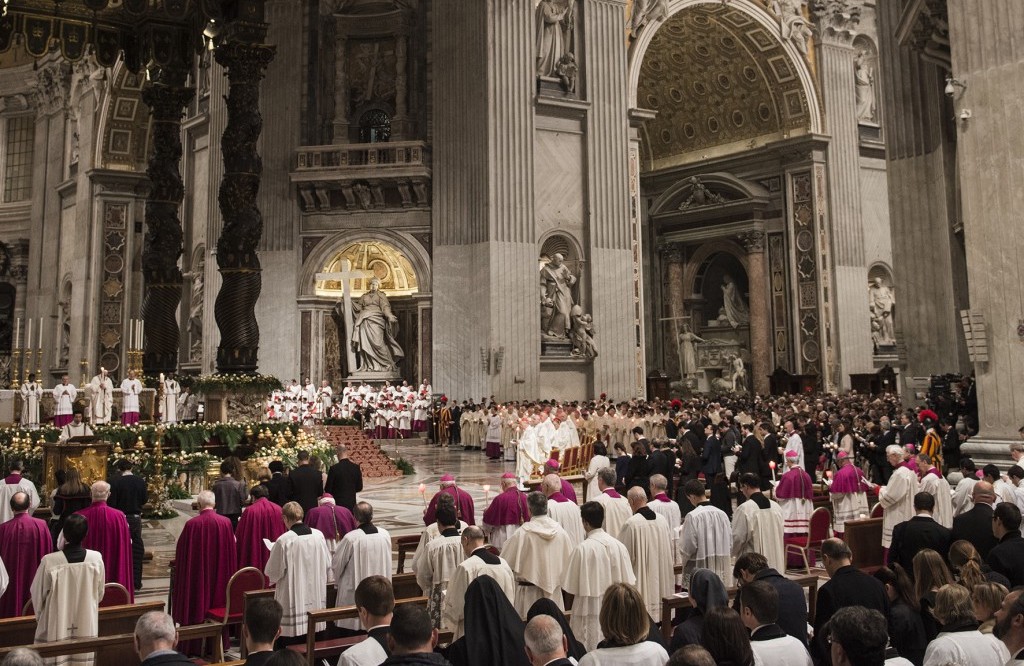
(557, 66)
(566, 330)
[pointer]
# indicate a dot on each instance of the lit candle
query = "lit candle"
(772, 465)
(17, 333)
(423, 493)
(28, 332)
(487, 493)
(40, 345)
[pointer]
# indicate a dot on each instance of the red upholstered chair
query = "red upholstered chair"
(878, 511)
(804, 545)
(114, 594)
(244, 580)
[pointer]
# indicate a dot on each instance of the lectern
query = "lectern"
(88, 455)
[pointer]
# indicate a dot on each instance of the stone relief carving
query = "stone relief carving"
(864, 78)
(372, 71)
(556, 282)
(793, 25)
(53, 88)
(644, 12)
(700, 195)
(881, 304)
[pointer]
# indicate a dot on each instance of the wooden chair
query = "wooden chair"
(244, 580)
(878, 511)
(406, 545)
(821, 519)
(114, 594)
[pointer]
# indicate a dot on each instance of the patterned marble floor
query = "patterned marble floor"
(398, 506)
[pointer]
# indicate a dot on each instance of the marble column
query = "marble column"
(167, 98)
(237, 259)
(672, 258)
(760, 324)
(837, 23)
(341, 121)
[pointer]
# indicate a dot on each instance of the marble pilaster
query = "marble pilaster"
(760, 323)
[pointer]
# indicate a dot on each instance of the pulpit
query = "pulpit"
(88, 455)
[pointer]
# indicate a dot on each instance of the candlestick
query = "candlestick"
(40, 333)
(84, 365)
(17, 333)
(28, 365)
(15, 357)
(39, 363)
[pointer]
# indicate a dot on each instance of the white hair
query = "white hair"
(22, 657)
(156, 627)
(100, 490)
(206, 499)
(659, 481)
(894, 450)
(543, 635)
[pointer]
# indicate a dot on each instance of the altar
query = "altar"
(88, 455)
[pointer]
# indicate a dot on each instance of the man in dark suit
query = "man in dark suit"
(849, 586)
(748, 460)
(344, 480)
(546, 644)
(713, 468)
(155, 639)
(921, 531)
(277, 487)
(305, 484)
(658, 462)
(260, 628)
(976, 525)
(128, 495)
(1007, 557)
(752, 567)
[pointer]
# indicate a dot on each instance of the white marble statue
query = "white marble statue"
(373, 332)
(736, 309)
(688, 350)
(864, 78)
(646, 11)
(739, 374)
(582, 333)
(556, 281)
(793, 24)
(881, 302)
(555, 19)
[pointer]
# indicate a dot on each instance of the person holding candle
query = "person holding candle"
(64, 396)
(101, 393)
(131, 388)
(848, 493)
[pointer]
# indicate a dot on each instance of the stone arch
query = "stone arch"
(707, 252)
(746, 37)
(330, 246)
(558, 241)
(123, 136)
(880, 269)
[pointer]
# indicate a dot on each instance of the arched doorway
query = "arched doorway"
(719, 310)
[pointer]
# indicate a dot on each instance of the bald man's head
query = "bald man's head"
(637, 498)
(551, 484)
(983, 493)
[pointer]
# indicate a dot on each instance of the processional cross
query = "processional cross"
(344, 276)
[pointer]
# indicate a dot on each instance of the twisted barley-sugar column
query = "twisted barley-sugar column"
(237, 261)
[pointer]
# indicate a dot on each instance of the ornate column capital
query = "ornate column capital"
(837, 19)
(753, 241)
(53, 87)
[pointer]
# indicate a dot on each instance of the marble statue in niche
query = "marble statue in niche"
(556, 282)
(195, 313)
(65, 333)
(735, 308)
(688, 350)
(793, 25)
(644, 12)
(556, 25)
(581, 331)
(881, 305)
(864, 78)
(374, 331)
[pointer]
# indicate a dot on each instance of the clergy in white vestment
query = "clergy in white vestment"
(646, 538)
(795, 495)
(759, 611)
(848, 492)
(665, 507)
(15, 483)
(365, 551)
(794, 442)
(31, 394)
(932, 482)
(963, 495)
(538, 552)
(298, 566)
(597, 463)
(616, 507)
(101, 398)
(479, 561)
(561, 509)
(441, 557)
(131, 389)
(896, 497)
(757, 525)
(597, 563)
(375, 600)
(308, 393)
(66, 592)
(64, 396)
(75, 428)
(706, 537)
(169, 401)
(324, 400)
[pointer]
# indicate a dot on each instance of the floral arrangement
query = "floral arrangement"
(227, 383)
(286, 448)
(22, 446)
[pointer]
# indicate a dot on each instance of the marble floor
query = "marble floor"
(398, 505)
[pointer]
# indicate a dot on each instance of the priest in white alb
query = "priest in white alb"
(76, 427)
(538, 552)
(897, 496)
(848, 492)
(298, 566)
(479, 561)
(66, 592)
(795, 495)
(616, 507)
(563, 510)
(757, 525)
(11, 485)
(706, 537)
(933, 483)
(31, 394)
(131, 389)
(101, 398)
(365, 551)
(64, 396)
(169, 400)
(663, 505)
(646, 538)
(597, 563)
(434, 570)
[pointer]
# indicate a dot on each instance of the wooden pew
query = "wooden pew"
(670, 604)
(119, 648)
(864, 537)
(315, 650)
(112, 620)
(406, 545)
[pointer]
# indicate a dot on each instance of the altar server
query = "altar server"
(561, 510)
(538, 552)
(365, 551)
(757, 525)
(439, 560)
(31, 394)
(13, 484)
(64, 396)
(706, 537)
(479, 562)
(646, 538)
(131, 389)
(616, 507)
(298, 567)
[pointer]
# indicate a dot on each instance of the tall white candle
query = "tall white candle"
(40, 345)
(28, 333)
(17, 333)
